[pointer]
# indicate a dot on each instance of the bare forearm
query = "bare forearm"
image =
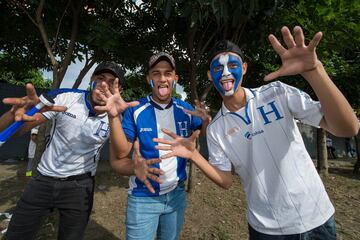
(6, 119)
(118, 143)
(123, 166)
(221, 178)
(339, 118)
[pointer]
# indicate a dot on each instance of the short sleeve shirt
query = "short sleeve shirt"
(144, 122)
(76, 137)
(284, 192)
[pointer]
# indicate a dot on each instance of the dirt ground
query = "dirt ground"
(212, 213)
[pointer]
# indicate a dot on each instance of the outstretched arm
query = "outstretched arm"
(19, 108)
(339, 118)
(186, 148)
(119, 145)
(115, 105)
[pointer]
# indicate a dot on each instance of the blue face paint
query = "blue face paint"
(152, 83)
(92, 85)
(173, 84)
(224, 67)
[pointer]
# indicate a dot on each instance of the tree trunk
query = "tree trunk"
(357, 164)
(83, 72)
(322, 157)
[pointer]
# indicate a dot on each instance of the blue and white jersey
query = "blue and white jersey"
(76, 137)
(145, 122)
(285, 194)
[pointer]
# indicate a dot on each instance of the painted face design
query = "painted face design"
(226, 72)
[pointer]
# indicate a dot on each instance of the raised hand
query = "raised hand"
(143, 170)
(201, 111)
(115, 104)
(181, 147)
(297, 58)
(21, 105)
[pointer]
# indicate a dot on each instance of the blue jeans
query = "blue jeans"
(162, 215)
(327, 231)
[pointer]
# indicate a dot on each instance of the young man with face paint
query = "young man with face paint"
(159, 211)
(68, 164)
(256, 133)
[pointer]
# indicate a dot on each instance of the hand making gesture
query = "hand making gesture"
(115, 104)
(297, 58)
(201, 111)
(143, 169)
(21, 105)
(181, 147)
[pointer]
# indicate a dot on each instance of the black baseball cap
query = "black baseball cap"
(161, 56)
(110, 67)
(225, 46)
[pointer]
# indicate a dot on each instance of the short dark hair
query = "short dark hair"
(224, 46)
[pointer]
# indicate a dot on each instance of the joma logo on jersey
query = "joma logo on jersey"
(69, 114)
(145, 129)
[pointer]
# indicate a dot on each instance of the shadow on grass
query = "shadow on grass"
(344, 172)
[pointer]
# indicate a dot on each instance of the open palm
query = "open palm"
(180, 147)
(115, 104)
(297, 58)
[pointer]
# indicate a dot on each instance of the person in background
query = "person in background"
(31, 150)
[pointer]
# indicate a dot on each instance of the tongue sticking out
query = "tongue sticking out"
(228, 85)
(163, 91)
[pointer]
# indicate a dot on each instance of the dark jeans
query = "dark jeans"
(327, 231)
(73, 199)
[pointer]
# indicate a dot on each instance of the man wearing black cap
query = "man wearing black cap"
(160, 210)
(68, 164)
(256, 133)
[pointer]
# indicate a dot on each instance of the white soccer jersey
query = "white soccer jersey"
(285, 194)
(76, 137)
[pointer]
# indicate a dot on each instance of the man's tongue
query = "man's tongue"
(228, 85)
(163, 91)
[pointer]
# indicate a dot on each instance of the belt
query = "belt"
(69, 178)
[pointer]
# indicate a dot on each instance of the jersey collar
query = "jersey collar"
(156, 105)
(248, 93)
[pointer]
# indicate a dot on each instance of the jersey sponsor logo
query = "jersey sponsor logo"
(145, 129)
(69, 114)
(250, 135)
(231, 131)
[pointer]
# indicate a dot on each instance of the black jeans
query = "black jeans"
(73, 199)
(327, 231)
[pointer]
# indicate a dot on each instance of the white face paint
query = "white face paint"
(223, 60)
(226, 73)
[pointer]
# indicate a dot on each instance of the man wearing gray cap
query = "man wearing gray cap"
(68, 164)
(159, 211)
